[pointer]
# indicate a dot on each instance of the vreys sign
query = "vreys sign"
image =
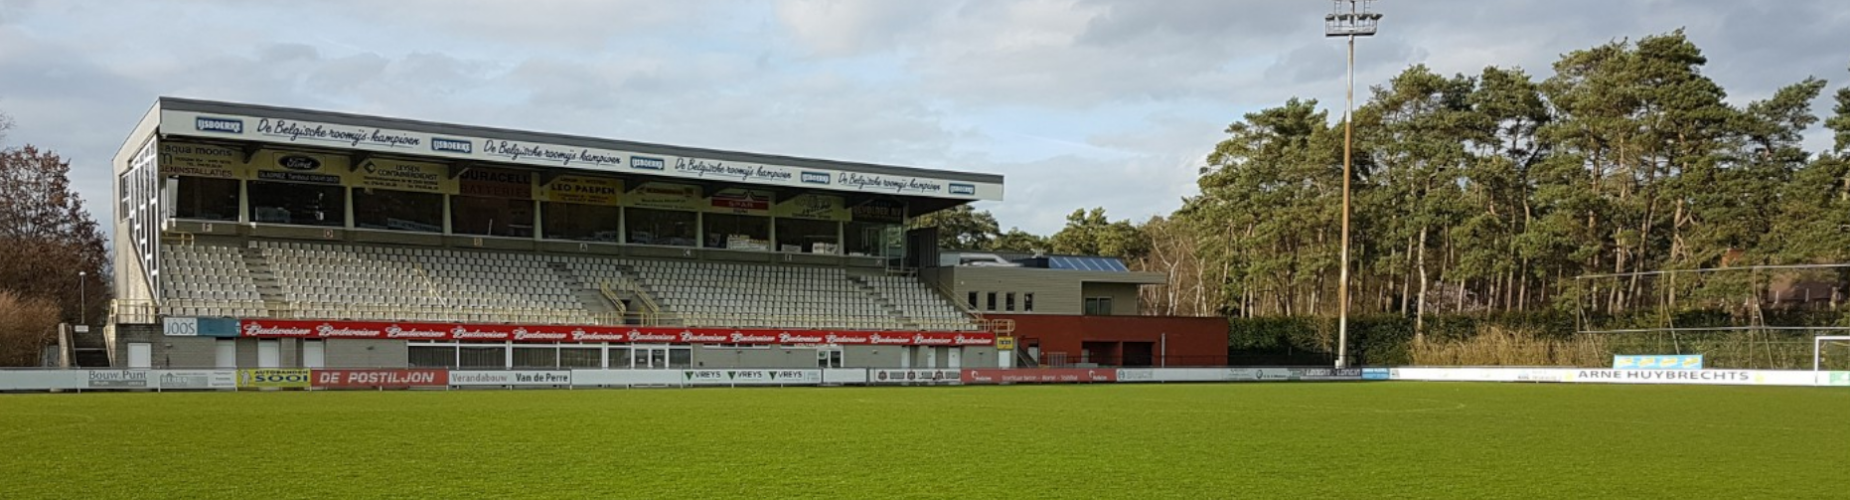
(380, 330)
(390, 141)
(751, 377)
(380, 378)
(268, 378)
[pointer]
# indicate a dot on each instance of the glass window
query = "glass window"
(491, 216)
(580, 357)
(536, 357)
(1027, 302)
(738, 232)
(483, 357)
(619, 357)
(992, 301)
(875, 239)
(303, 204)
(1009, 303)
(808, 236)
(431, 356)
(648, 226)
(398, 210)
(205, 198)
(973, 304)
(573, 221)
(1098, 306)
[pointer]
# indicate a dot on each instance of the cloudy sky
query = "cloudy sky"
(1077, 102)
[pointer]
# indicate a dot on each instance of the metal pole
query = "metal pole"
(1342, 287)
(83, 297)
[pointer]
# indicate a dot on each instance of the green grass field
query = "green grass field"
(1277, 440)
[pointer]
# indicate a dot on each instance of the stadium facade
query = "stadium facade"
(255, 236)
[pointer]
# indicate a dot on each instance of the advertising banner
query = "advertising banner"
(119, 379)
(196, 379)
(1658, 362)
(404, 175)
(881, 210)
(293, 378)
(583, 190)
(664, 196)
(1258, 374)
(381, 378)
(495, 183)
(202, 160)
(1375, 374)
(813, 207)
(1315, 374)
(751, 377)
(740, 202)
(916, 377)
(293, 166)
(511, 378)
(179, 327)
(383, 330)
(1609, 376)
(1040, 376)
(1834, 378)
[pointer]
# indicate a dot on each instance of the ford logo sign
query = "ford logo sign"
(298, 162)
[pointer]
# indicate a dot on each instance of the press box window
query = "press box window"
(300, 204)
(1027, 302)
(973, 303)
(203, 198)
(1010, 304)
(992, 301)
(398, 210)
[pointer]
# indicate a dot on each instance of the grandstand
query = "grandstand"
(332, 239)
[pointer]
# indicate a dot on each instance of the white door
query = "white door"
(931, 357)
(269, 354)
(956, 359)
(314, 354)
(140, 355)
(226, 353)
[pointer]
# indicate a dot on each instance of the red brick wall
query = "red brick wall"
(1190, 341)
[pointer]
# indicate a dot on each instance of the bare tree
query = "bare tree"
(50, 248)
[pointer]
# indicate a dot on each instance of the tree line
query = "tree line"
(1498, 191)
(54, 265)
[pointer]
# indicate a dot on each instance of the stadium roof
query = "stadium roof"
(377, 134)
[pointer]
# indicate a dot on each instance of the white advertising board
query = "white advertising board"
(751, 377)
(1609, 376)
(196, 379)
(916, 377)
(541, 378)
(843, 376)
(615, 378)
(39, 380)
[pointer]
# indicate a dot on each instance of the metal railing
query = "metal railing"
(143, 312)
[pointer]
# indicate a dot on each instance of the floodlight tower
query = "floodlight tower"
(1348, 18)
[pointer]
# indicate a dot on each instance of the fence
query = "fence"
(443, 379)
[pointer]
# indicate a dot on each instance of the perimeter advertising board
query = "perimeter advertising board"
(381, 378)
(917, 377)
(274, 378)
(1040, 376)
(512, 378)
(119, 379)
(196, 379)
(751, 377)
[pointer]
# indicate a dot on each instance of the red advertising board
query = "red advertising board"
(313, 329)
(1041, 376)
(379, 378)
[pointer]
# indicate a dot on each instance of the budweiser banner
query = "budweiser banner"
(381, 378)
(1041, 376)
(312, 329)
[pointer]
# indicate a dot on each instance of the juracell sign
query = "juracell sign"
(382, 140)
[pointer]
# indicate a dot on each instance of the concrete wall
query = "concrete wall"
(754, 357)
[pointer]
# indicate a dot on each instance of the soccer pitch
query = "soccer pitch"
(1260, 440)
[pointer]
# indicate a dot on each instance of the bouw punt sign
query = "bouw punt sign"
(384, 330)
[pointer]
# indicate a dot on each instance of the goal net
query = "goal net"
(1830, 352)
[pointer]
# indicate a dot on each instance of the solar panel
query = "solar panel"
(1100, 264)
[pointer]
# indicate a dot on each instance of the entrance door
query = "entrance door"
(652, 357)
(269, 354)
(140, 355)
(956, 359)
